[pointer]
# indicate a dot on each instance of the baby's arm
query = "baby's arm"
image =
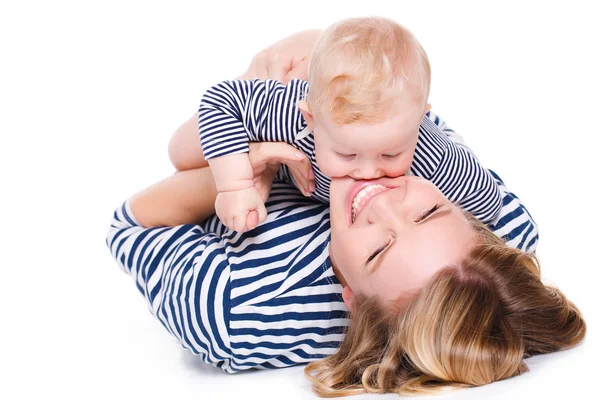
(185, 150)
(513, 223)
(232, 114)
(467, 183)
(239, 204)
(456, 172)
(236, 112)
(284, 60)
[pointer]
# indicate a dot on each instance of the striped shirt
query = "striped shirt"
(234, 113)
(266, 298)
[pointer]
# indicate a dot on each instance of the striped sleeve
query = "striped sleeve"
(183, 275)
(513, 223)
(447, 130)
(233, 113)
(456, 172)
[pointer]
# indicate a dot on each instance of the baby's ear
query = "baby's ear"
(307, 114)
(348, 296)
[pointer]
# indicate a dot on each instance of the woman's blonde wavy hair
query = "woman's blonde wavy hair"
(471, 325)
(362, 68)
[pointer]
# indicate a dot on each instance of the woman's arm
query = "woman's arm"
(188, 197)
(286, 59)
(283, 61)
(183, 198)
(182, 271)
(185, 150)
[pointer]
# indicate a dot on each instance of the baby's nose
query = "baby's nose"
(367, 172)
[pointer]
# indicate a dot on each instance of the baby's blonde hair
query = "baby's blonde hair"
(361, 67)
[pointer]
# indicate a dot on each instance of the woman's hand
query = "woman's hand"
(285, 60)
(266, 158)
(189, 196)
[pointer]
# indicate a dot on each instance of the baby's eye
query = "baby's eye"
(391, 155)
(345, 156)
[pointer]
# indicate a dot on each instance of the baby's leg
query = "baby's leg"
(185, 150)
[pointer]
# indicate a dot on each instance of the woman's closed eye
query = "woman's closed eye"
(428, 213)
(378, 251)
(421, 218)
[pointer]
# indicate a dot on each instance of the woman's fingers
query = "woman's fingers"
(278, 66)
(300, 167)
(283, 153)
(301, 181)
(302, 178)
(298, 70)
(259, 66)
(287, 154)
(271, 65)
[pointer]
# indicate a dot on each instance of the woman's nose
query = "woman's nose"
(386, 208)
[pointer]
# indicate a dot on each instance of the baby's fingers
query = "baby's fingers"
(262, 213)
(225, 219)
(252, 221)
(239, 224)
(255, 217)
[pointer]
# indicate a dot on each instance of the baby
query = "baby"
(361, 114)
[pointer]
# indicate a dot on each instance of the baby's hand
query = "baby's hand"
(240, 210)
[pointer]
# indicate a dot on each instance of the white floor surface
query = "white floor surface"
(91, 91)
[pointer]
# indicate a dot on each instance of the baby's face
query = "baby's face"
(368, 151)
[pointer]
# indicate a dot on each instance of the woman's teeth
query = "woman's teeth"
(363, 196)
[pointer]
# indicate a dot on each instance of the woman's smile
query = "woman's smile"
(363, 197)
(361, 193)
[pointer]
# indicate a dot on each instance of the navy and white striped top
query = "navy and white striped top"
(233, 113)
(266, 298)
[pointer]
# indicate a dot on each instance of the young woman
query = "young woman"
(434, 297)
(409, 295)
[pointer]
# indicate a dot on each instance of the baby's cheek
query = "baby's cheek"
(331, 167)
(399, 168)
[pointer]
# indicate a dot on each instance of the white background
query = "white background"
(91, 91)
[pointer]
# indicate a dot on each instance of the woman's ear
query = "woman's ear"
(307, 114)
(348, 296)
(427, 108)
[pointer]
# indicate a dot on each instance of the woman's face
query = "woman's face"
(389, 236)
